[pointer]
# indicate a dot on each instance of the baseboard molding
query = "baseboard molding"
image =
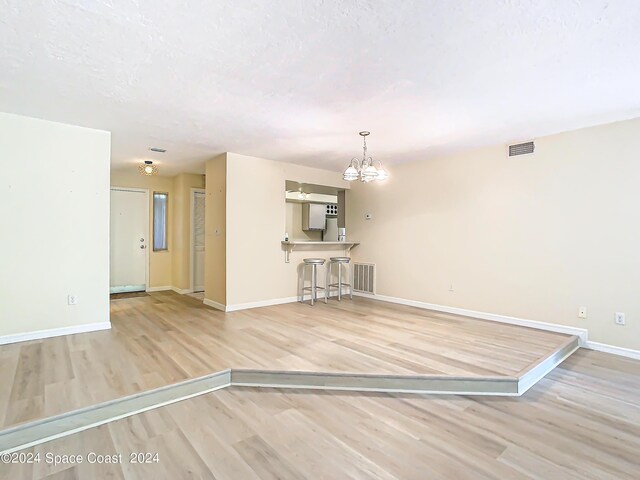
(281, 301)
(216, 305)
(182, 291)
(54, 332)
(581, 333)
(159, 289)
(165, 288)
(261, 303)
(623, 352)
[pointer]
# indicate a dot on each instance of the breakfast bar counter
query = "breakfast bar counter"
(290, 245)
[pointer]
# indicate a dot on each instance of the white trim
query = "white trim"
(182, 291)
(54, 332)
(216, 305)
(263, 303)
(191, 225)
(159, 289)
(603, 347)
(169, 287)
(532, 376)
(147, 266)
(47, 429)
(551, 327)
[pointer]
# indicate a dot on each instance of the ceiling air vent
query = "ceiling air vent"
(521, 149)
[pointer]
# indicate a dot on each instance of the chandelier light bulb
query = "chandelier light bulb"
(382, 173)
(369, 174)
(350, 174)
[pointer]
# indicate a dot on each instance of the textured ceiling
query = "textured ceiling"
(296, 80)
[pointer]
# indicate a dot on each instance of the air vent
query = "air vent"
(521, 149)
(364, 276)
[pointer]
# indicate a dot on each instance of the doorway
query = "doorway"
(197, 238)
(128, 240)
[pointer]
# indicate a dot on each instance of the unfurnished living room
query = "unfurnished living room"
(320, 239)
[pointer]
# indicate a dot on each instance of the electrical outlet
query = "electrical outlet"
(620, 320)
(582, 312)
(72, 300)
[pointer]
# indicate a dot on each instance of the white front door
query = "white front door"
(129, 235)
(198, 241)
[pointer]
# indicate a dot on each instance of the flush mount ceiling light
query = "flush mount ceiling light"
(147, 168)
(157, 149)
(364, 169)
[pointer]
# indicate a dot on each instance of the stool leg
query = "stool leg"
(339, 281)
(301, 283)
(350, 282)
(326, 283)
(313, 283)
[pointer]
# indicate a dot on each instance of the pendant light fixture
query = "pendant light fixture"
(364, 169)
(147, 168)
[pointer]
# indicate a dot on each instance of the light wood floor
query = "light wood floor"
(165, 337)
(581, 422)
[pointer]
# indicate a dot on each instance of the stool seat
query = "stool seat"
(340, 259)
(314, 261)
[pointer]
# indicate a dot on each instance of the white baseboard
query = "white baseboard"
(582, 333)
(159, 289)
(261, 303)
(54, 332)
(216, 305)
(182, 291)
(603, 347)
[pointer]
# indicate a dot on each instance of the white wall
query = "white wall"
(256, 219)
(533, 237)
(54, 185)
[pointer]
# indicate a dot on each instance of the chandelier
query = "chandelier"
(364, 169)
(147, 168)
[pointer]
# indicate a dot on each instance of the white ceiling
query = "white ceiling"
(296, 80)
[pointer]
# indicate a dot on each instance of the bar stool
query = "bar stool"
(313, 263)
(339, 261)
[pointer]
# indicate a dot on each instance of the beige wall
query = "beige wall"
(54, 184)
(532, 237)
(181, 258)
(293, 224)
(256, 217)
(160, 263)
(215, 231)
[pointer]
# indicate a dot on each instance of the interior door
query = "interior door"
(128, 248)
(198, 241)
